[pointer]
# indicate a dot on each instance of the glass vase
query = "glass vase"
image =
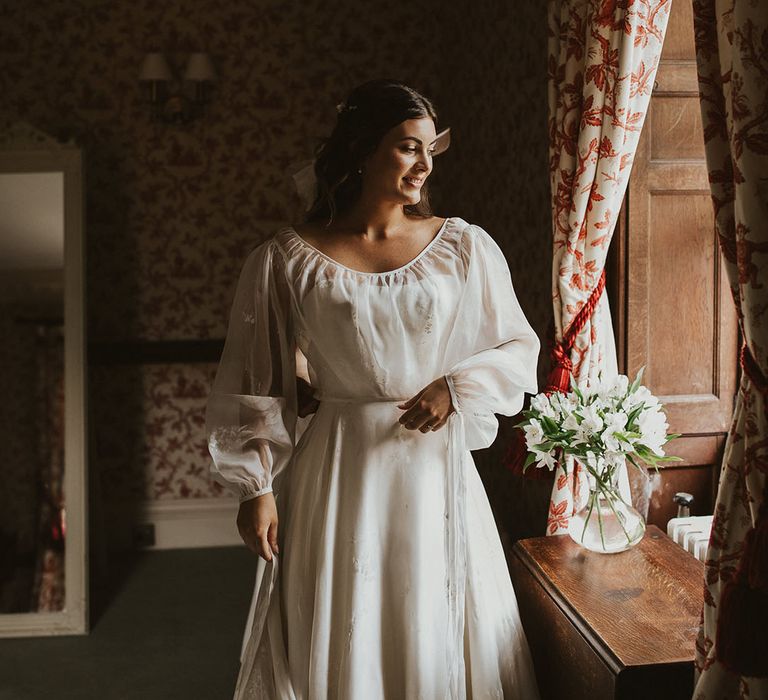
(606, 524)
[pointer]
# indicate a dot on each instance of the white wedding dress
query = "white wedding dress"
(391, 582)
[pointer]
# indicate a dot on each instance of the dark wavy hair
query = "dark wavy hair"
(368, 113)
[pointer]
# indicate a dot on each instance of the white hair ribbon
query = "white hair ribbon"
(306, 183)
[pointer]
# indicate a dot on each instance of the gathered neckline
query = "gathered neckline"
(410, 263)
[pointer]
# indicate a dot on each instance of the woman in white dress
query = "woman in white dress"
(381, 574)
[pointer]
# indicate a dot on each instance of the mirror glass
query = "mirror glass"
(33, 529)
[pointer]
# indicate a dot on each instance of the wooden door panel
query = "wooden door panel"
(676, 177)
(697, 450)
(681, 321)
(675, 77)
(679, 41)
(675, 130)
(675, 232)
(675, 313)
(697, 480)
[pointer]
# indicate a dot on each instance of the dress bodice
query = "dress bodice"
(375, 333)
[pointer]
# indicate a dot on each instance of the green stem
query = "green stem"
(609, 498)
(592, 497)
(600, 522)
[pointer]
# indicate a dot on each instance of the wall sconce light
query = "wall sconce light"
(177, 101)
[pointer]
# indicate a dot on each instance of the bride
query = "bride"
(380, 574)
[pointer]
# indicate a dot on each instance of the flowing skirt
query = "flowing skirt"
(362, 609)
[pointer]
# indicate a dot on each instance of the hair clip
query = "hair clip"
(442, 141)
(343, 106)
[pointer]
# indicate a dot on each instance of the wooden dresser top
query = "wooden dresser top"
(638, 607)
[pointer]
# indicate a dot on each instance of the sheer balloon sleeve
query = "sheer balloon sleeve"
(251, 412)
(493, 348)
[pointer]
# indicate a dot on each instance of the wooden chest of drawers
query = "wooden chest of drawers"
(606, 626)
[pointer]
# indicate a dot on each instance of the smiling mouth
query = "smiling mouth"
(413, 181)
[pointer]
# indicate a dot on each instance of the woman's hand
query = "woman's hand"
(429, 409)
(257, 524)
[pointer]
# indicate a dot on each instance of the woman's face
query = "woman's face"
(397, 169)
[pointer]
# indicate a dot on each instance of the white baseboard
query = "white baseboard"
(185, 523)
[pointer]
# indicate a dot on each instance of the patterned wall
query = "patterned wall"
(172, 211)
(500, 177)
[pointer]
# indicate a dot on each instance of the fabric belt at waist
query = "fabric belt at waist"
(361, 399)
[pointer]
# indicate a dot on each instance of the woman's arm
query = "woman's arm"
(493, 351)
(251, 411)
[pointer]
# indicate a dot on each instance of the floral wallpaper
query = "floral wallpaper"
(499, 175)
(173, 210)
(153, 417)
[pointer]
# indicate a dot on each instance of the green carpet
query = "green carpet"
(169, 625)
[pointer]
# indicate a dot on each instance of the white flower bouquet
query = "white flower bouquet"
(602, 426)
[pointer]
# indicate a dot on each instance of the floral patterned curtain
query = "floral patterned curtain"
(603, 56)
(732, 58)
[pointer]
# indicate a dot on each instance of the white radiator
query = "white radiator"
(692, 534)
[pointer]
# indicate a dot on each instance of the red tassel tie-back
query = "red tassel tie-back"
(559, 379)
(753, 371)
(741, 643)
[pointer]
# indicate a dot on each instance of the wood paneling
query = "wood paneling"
(676, 76)
(678, 42)
(676, 230)
(675, 128)
(676, 314)
(699, 481)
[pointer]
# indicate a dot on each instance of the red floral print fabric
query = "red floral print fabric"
(603, 57)
(732, 62)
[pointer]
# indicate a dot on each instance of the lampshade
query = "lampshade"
(200, 68)
(155, 67)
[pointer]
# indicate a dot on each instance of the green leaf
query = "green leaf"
(654, 465)
(635, 412)
(638, 379)
(546, 446)
(549, 425)
(643, 452)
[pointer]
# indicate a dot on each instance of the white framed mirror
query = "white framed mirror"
(43, 446)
